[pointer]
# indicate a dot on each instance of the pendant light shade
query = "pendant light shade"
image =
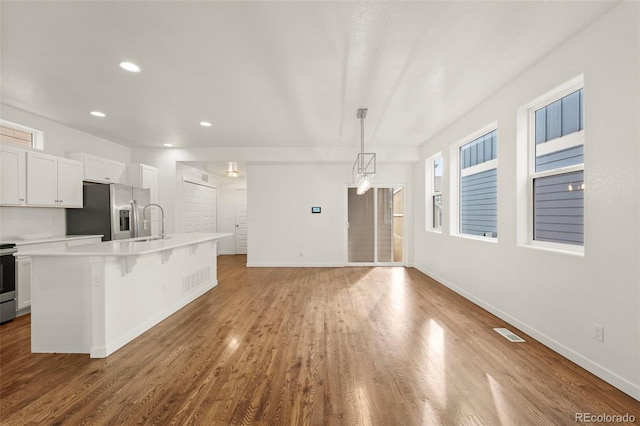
(232, 171)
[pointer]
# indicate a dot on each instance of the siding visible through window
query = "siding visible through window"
(559, 208)
(15, 136)
(563, 158)
(478, 204)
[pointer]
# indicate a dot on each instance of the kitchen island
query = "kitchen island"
(96, 298)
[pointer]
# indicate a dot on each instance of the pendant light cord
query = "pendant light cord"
(362, 144)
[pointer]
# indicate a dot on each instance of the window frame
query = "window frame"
(431, 193)
(563, 142)
(456, 175)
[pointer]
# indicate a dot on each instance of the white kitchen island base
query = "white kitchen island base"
(92, 300)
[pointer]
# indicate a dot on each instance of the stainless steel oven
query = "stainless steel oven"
(7, 282)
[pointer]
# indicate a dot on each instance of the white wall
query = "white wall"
(58, 140)
(271, 160)
(20, 221)
(556, 297)
(280, 222)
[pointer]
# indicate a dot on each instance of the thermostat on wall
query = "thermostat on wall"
(316, 210)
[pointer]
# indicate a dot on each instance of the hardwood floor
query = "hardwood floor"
(306, 346)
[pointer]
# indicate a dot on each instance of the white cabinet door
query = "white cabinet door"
(23, 289)
(99, 169)
(69, 183)
(53, 181)
(42, 179)
(144, 176)
(95, 168)
(149, 179)
(13, 169)
(116, 172)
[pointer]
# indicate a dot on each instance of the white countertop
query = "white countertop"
(132, 247)
(45, 238)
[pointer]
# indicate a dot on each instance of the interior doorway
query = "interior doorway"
(375, 226)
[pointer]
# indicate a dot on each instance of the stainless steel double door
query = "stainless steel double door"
(127, 219)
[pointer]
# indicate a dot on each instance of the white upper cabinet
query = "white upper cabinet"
(116, 172)
(13, 176)
(53, 181)
(99, 169)
(42, 178)
(69, 183)
(144, 176)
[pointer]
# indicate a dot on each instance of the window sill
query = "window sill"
(577, 251)
(477, 238)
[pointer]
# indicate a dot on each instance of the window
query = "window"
(434, 167)
(20, 135)
(478, 165)
(436, 193)
(557, 168)
(15, 136)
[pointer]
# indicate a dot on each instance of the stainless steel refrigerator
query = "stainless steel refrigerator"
(113, 210)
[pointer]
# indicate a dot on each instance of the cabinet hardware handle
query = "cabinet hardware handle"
(21, 199)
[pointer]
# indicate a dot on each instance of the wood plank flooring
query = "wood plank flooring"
(307, 346)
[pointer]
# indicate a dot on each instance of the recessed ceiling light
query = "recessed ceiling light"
(98, 114)
(129, 66)
(205, 124)
(168, 145)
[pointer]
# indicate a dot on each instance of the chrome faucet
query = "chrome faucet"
(144, 223)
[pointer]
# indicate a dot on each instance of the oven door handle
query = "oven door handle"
(6, 252)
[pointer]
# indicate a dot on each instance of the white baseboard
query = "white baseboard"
(608, 376)
(295, 265)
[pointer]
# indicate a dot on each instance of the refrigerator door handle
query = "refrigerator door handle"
(134, 219)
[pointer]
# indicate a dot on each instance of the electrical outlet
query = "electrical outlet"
(301, 252)
(598, 332)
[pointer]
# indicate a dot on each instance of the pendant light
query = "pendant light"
(232, 171)
(364, 169)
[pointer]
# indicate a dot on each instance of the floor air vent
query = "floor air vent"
(509, 335)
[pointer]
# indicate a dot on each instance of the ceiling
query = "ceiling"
(272, 74)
